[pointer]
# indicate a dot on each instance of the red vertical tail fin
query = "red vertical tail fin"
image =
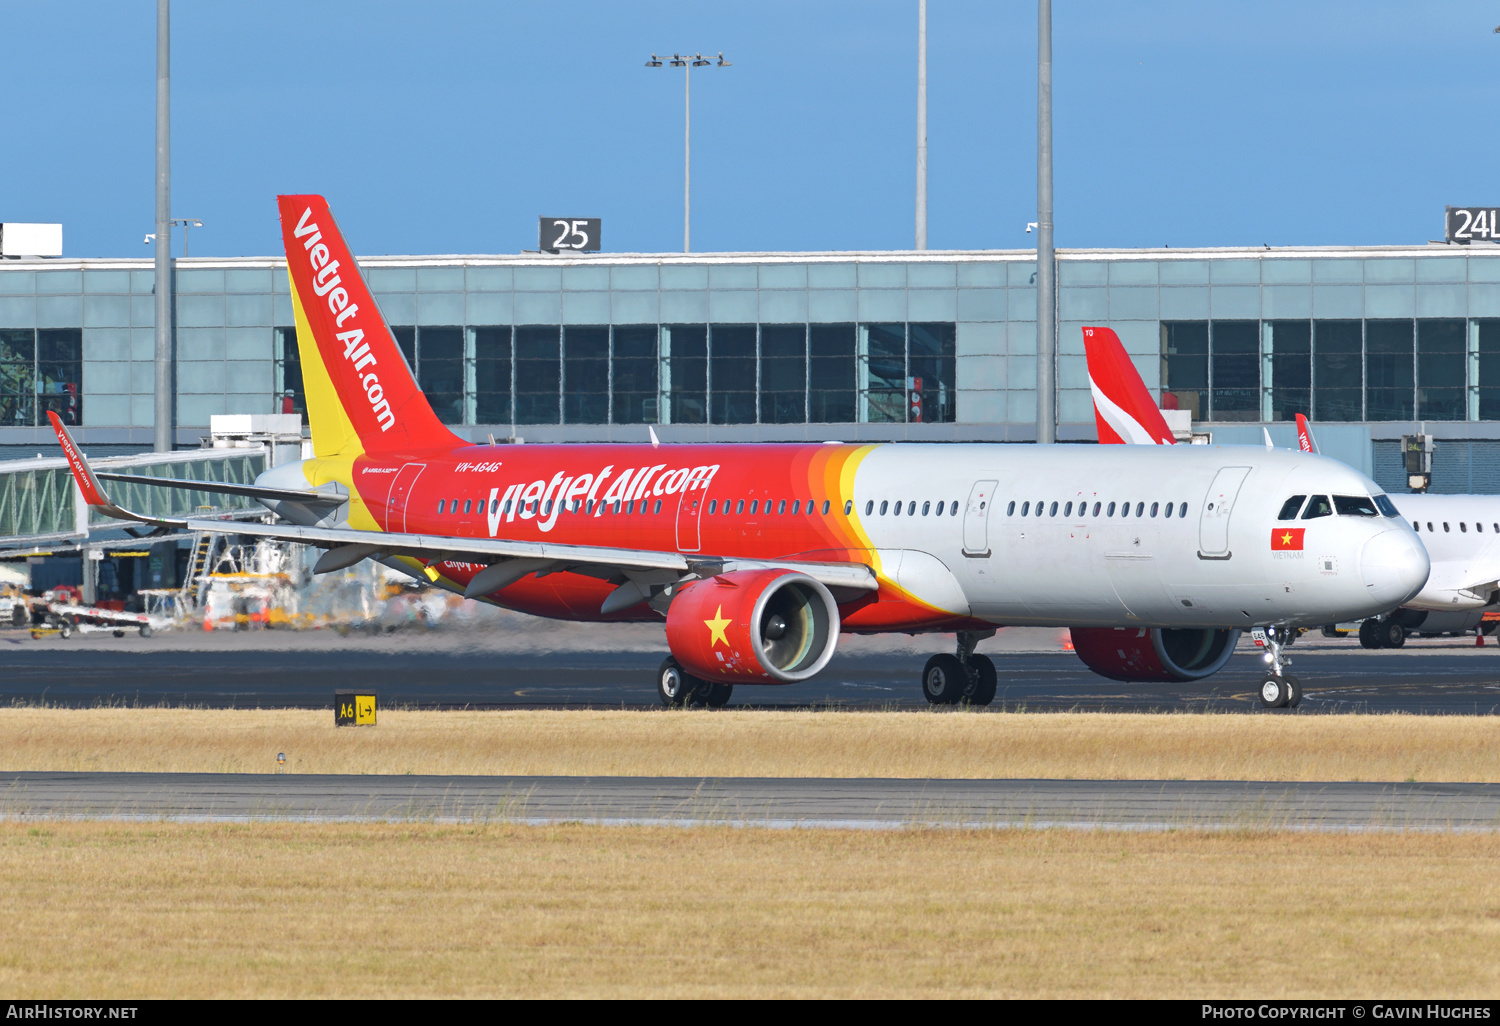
(1124, 411)
(360, 394)
(1304, 436)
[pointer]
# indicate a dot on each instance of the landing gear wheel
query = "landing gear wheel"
(1293, 692)
(145, 630)
(1392, 635)
(1369, 636)
(119, 634)
(944, 680)
(1273, 692)
(984, 686)
(674, 685)
(713, 694)
(65, 630)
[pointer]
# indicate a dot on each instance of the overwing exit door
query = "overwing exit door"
(689, 510)
(395, 503)
(1213, 518)
(977, 517)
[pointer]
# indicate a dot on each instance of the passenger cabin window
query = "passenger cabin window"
(1068, 510)
(1041, 508)
(1010, 510)
(1479, 527)
(1355, 506)
(739, 507)
(1291, 507)
(713, 506)
(1124, 509)
(1318, 506)
(1429, 525)
(1110, 511)
(1053, 511)
(848, 507)
(1025, 508)
(468, 504)
(1182, 509)
(1154, 507)
(1140, 508)
(442, 504)
(1463, 527)
(1445, 527)
(884, 505)
(869, 507)
(1416, 525)
(1096, 509)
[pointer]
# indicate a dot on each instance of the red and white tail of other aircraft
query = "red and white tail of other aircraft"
(1461, 532)
(757, 557)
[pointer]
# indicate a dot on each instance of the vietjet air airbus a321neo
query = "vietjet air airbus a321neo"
(758, 556)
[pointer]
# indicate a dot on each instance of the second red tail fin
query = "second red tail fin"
(1124, 411)
(1304, 435)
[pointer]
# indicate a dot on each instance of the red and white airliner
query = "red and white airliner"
(758, 556)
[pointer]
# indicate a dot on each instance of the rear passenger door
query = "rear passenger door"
(976, 519)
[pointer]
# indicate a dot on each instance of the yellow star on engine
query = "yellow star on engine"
(716, 628)
(1286, 539)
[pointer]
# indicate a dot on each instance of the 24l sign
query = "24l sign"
(576, 233)
(1463, 225)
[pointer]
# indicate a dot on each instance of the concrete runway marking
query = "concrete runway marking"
(832, 803)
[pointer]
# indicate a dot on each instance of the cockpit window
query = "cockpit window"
(1386, 506)
(1355, 506)
(1318, 506)
(1290, 507)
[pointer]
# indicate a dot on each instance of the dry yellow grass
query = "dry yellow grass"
(760, 743)
(176, 910)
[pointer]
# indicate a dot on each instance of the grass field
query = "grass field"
(760, 743)
(177, 910)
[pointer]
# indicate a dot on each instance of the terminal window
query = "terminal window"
(635, 350)
(41, 371)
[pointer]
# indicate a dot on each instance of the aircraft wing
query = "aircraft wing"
(223, 488)
(348, 546)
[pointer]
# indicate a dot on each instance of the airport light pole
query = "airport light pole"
(164, 285)
(921, 124)
(687, 62)
(1046, 261)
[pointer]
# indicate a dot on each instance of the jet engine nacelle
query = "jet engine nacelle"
(1156, 653)
(753, 627)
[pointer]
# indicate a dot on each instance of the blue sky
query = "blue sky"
(448, 127)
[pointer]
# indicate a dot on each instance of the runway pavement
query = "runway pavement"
(796, 802)
(605, 666)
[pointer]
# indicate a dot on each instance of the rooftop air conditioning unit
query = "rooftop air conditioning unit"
(18, 239)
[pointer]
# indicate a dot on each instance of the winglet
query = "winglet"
(83, 474)
(1123, 408)
(1304, 436)
(88, 482)
(654, 441)
(1267, 433)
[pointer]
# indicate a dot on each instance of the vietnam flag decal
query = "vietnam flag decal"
(1284, 539)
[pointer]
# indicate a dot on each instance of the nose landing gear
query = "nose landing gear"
(1278, 689)
(963, 678)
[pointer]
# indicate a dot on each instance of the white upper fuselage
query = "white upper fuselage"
(1462, 536)
(1209, 568)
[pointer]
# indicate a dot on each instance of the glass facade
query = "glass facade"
(1377, 369)
(41, 370)
(893, 345)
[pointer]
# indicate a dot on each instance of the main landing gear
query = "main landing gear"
(1278, 689)
(1382, 634)
(678, 689)
(965, 678)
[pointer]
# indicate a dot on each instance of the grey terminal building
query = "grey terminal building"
(1372, 343)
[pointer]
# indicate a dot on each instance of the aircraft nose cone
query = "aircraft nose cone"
(1394, 566)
